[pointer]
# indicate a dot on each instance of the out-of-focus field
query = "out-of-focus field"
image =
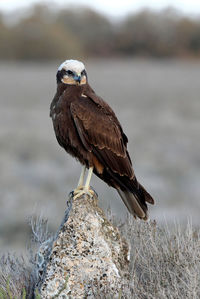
(158, 105)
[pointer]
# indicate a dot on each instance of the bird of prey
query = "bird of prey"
(88, 129)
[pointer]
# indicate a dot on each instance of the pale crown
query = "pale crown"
(72, 65)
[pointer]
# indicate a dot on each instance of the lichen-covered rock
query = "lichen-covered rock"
(88, 256)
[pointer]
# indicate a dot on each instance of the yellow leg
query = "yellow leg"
(80, 182)
(84, 190)
(89, 176)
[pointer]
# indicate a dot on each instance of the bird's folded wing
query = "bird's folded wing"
(97, 128)
(101, 133)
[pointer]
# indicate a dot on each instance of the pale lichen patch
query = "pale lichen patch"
(90, 250)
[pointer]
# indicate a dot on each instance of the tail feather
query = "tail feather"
(147, 197)
(132, 204)
(136, 202)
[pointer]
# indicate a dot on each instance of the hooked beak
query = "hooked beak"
(77, 79)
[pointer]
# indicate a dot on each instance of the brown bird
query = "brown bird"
(88, 129)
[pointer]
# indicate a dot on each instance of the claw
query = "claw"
(71, 194)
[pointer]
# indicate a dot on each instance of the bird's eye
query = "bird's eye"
(69, 72)
(83, 73)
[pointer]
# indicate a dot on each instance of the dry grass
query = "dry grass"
(15, 277)
(165, 263)
(19, 276)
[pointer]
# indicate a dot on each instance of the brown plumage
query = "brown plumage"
(88, 129)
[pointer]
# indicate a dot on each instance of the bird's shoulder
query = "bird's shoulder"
(89, 102)
(90, 94)
(96, 115)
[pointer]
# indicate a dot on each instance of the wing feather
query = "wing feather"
(99, 128)
(100, 131)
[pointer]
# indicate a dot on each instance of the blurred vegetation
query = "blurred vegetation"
(45, 33)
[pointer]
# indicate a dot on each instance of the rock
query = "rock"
(88, 256)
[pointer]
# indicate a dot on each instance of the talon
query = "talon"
(71, 194)
(94, 192)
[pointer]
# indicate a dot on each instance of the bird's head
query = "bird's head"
(72, 72)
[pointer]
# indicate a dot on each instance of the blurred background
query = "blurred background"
(143, 58)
